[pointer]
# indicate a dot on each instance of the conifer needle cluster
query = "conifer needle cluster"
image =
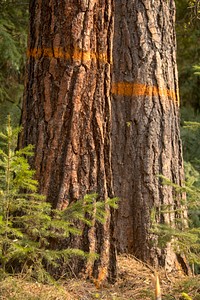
(28, 224)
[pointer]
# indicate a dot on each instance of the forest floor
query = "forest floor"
(134, 283)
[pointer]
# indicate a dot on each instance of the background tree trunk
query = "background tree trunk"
(145, 132)
(66, 108)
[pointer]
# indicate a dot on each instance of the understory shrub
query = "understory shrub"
(28, 224)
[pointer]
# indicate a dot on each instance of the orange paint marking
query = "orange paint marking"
(77, 54)
(119, 88)
(139, 89)
(58, 53)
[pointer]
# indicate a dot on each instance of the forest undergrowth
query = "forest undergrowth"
(135, 282)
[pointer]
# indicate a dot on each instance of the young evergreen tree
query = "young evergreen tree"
(29, 228)
(185, 239)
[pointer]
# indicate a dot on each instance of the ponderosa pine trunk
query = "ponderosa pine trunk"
(145, 131)
(67, 108)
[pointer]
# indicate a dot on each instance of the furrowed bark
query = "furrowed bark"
(145, 132)
(67, 107)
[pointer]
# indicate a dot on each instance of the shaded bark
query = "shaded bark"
(66, 108)
(145, 131)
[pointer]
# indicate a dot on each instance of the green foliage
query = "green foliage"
(13, 40)
(190, 133)
(188, 51)
(191, 136)
(28, 224)
(185, 239)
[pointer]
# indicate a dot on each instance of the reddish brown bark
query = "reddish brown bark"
(66, 108)
(145, 132)
(66, 114)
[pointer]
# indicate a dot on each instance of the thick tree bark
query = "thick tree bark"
(145, 131)
(67, 109)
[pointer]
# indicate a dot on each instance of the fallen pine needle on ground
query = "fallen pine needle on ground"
(134, 283)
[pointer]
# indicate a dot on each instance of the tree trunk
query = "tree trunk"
(66, 108)
(145, 131)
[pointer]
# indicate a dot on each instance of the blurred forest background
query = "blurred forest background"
(13, 40)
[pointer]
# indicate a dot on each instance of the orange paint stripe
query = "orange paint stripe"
(77, 54)
(139, 89)
(118, 88)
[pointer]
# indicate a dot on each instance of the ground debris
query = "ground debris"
(135, 282)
